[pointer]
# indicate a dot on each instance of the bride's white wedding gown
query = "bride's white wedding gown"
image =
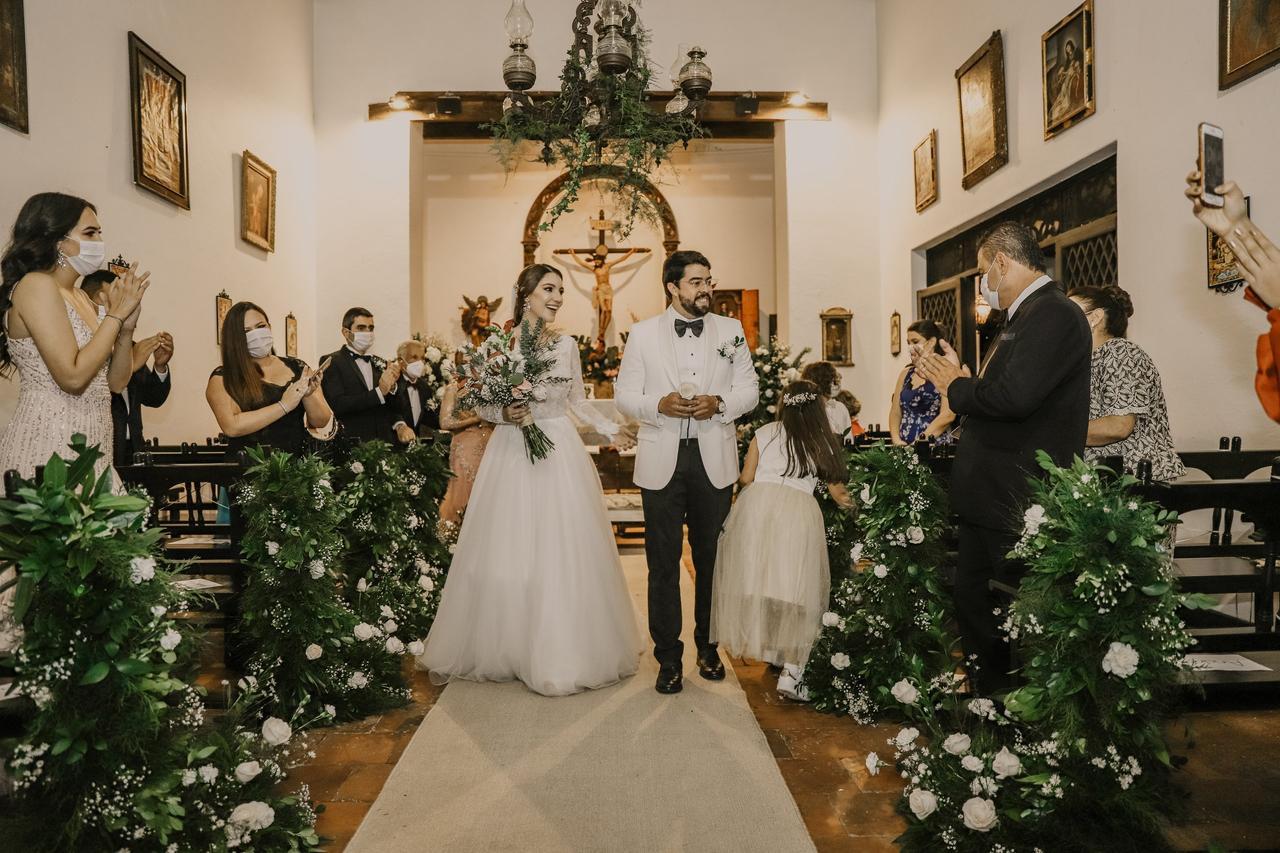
(535, 591)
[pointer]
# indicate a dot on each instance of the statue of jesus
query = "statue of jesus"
(602, 295)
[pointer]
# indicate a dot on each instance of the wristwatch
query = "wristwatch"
(720, 408)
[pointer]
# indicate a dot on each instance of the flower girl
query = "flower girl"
(772, 579)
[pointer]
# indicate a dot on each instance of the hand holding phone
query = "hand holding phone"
(1212, 167)
(324, 365)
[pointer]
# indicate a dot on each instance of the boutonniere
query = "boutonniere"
(728, 349)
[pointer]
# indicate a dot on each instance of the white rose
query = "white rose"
(1032, 519)
(247, 771)
(364, 631)
(1006, 764)
(923, 803)
(873, 763)
(386, 612)
(906, 737)
(390, 626)
(170, 640)
(979, 814)
(317, 569)
(957, 744)
(855, 554)
(276, 731)
(254, 815)
(972, 763)
(362, 585)
(358, 680)
(209, 773)
(1120, 660)
(915, 534)
(142, 569)
(880, 571)
(771, 409)
(830, 620)
(394, 645)
(417, 648)
(905, 692)
(314, 652)
(273, 548)
(768, 393)
(426, 583)
(422, 566)
(357, 468)
(433, 354)
(158, 611)
(188, 778)
(539, 393)
(840, 660)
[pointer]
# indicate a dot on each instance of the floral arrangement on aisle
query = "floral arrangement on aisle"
(439, 369)
(775, 368)
(599, 363)
(1075, 761)
(507, 369)
(887, 621)
(309, 652)
(116, 753)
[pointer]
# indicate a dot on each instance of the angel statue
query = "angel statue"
(477, 316)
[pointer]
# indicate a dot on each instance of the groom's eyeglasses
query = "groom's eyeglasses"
(703, 283)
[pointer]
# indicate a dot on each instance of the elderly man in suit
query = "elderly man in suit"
(1032, 394)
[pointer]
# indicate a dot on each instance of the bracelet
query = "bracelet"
(282, 406)
(114, 317)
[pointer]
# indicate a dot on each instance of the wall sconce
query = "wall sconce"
(746, 105)
(449, 104)
(981, 309)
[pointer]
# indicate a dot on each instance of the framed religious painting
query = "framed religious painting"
(984, 130)
(1224, 273)
(1248, 39)
(1066, 63)
(257, 202)
(221, 305)
(158, 98)
(925, 165)
(13, 67)
(895, 333)
(291, 335)
(837, 336)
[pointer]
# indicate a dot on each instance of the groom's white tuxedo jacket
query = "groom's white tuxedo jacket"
(650, 372)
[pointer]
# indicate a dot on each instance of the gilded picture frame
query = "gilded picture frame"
(924, 161)
(13, 67)
(984, 129)
(291, 335)
(837, 336)
(1248, 39)
(1067, 71)
(221, 305)
(158, 103)
(257, 202)
(895, 334)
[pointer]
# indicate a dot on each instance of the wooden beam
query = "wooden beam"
(735, 131)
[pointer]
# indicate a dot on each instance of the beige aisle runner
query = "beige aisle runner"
(496, 767)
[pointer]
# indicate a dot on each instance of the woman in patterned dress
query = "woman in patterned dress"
(918, 410)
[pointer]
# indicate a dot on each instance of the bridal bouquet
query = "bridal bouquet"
(504, 370)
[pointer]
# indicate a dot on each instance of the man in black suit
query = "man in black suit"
(1031, 394)
(418, 410)
(360, 387)
(149, 386)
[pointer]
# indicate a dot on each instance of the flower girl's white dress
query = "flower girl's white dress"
(535, 591)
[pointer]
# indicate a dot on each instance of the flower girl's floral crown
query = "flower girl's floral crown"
(799, 399)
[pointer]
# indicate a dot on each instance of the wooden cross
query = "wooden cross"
(602, 227)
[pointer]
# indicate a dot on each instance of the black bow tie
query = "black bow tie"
(358, 357)
(685, 325)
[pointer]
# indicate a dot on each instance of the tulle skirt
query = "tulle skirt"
(772, 579)
(535, 591)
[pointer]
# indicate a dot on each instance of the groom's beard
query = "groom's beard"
(698, 306)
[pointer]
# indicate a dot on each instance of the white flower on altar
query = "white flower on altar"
(253, 815)
(357, 468)
(855, 553)
(170, 640)
(957, 744)
(142, 569)
(314, 651)
(159, 610)
(358, 680)
(972, 763)
(208, 774)
(188, 778)
(923, 803)
(364, 631)
(915, 535)
(433, 354)
(831, 620)
(390, 626)
(906, 738)
(1120, 660)
(1032, 519)
(394, 645)
(426, 582)
(905, 692)
(247, 771)
(416, 648)
(873, 763)
(316, 568)
(880, 571)
(362, 585)
(273, 548)
(276, 731)
(1006, 764)
(840, 660)
(979, 814)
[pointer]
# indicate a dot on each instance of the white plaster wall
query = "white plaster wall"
(1156, 80)
(248, 67)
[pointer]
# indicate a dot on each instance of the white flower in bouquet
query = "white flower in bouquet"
(1120, 660)
(159, 610)
(905, 692)
(957, 744)
(390, 626)
(426, 582)
(386, 612)
(979, 814)
(855, 553)
(208, 774)
(915, 535)
(923, 803)
(433, 355)
(831, 620)
(142, 569)
(247, 771)
(362, 585)
(1032, 519)
(357, 468)
(316, 568)
(188, 778)
(364, 631)
(880, 571)
(1006, 764)
(972, 763)
(416, 648)
(873, 763)
(540, 393)
(906, 738)
(276, 731)
(170, 640)
(314, 651)
(254, 815)
(358, 680)
(840, 660)
(394, 646)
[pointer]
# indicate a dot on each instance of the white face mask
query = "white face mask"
(414, 369)
(92, 254)
(992, 296)
(834, 390)
(361, 341)
(260, 342)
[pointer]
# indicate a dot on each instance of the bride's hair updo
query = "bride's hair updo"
(527, 282)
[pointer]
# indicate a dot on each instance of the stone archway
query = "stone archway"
(530, 241)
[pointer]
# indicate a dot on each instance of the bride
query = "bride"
(535, 591)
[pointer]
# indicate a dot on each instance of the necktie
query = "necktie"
(689, 325)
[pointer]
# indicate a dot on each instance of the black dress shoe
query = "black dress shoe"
(709, 666)
(670, 679)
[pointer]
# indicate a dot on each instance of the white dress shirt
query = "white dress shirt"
(1022, 297)
(415, 402)
(691, 359)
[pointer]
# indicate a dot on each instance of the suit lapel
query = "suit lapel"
(711, 342)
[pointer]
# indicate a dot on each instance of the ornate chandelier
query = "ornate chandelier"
(599, 126)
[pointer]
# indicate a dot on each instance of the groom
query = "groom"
(686, 376)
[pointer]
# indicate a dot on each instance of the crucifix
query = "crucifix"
(598, 263)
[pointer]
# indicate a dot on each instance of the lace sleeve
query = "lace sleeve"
(578, 400)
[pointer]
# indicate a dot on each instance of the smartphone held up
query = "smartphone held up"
(1212, 169)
